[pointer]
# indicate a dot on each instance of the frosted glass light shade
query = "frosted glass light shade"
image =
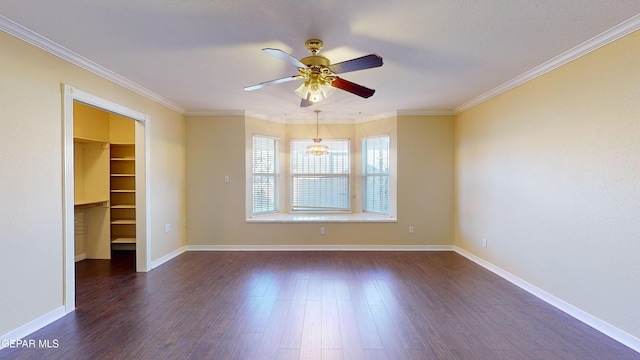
(315, 91)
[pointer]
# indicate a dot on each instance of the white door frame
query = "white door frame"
(142, 146)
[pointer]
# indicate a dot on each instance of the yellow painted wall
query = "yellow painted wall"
(90, 123)
(426, 176)
(549, 174)
(31, 243)
(121, 130)
(91, 184)
(216, 209)
(92, 176)
(216, 147)
(168, 184)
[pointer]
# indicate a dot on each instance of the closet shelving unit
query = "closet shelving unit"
(123, 194)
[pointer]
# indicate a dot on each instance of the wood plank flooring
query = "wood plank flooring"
(311, 305)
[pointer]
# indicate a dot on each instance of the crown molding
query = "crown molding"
(608, 36)
(35, 39)
(425, 112)
(335, 120)
(294, 120)
(217, 113)
(378, 116)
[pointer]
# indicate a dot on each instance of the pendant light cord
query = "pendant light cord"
(317, 114)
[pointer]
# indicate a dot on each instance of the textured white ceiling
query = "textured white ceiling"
(438, 55)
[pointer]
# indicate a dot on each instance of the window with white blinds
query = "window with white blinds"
(265, 171)
(320, 183)
(375, 175)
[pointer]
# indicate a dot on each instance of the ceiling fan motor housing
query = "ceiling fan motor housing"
(315, 60)
(317, 69)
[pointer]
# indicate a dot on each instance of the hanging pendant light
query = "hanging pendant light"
(317, 148)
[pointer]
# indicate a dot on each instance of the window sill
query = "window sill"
(320, 218)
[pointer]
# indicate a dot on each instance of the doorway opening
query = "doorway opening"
(106, 186)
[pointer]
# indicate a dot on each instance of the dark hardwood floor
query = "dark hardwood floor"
(311, 305)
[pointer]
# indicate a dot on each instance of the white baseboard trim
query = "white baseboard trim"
(80, 257)
(319, 248)
(600, 325)
(32, 326)
(169, 256)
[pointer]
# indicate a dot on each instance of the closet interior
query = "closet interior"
(105, 183)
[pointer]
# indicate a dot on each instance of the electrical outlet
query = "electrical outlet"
(226, 178)
(410, 229)
(322, 230)
(484, 242)
(167, 228)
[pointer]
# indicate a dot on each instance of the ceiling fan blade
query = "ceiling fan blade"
(272, 82)
(361, 63)
(284, 57)
(352, 87)
(305, 103)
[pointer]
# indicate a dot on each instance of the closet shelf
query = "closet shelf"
(84, 139)
(123, 222)
(123, 206)
(123, 240)
(83, 204)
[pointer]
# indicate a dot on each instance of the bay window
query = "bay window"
(354, 182)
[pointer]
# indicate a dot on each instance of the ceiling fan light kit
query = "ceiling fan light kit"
(315, 90)
(319, 74)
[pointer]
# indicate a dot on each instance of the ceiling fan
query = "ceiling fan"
(319, 74)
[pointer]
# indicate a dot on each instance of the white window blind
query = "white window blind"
(265, 174)
(375, 175)
(320, 183)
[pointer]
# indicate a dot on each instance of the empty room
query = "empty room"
(320, 179)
